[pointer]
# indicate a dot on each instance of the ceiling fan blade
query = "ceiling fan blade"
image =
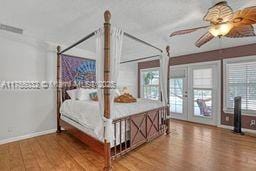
(245, 16)
(181, 32)
(219, 13)
(241, 31)
(204, 39)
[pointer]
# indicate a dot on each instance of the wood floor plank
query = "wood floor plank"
(15, 157)
(40, 155)
(61, 153)
(93, 157)
(4, 158)
(119, 166)
(28, 156)
(75, 154)
(189, 147)
(52, 154)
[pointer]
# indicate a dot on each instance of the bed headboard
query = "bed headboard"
(74, 70)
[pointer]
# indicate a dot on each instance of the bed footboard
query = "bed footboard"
(135, 130)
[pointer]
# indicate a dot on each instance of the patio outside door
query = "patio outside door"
(203, 90)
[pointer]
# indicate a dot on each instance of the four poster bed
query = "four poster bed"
(111, 129)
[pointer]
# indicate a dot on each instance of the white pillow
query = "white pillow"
(80, 93)
(84, 94)
(73, 94)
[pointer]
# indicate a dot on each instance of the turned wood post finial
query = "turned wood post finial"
(168, 50)
(107, 16)
(58, 49)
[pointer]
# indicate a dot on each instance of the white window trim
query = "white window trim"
(141, 79)
(225, 84)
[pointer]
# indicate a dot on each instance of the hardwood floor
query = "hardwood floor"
(188, 147)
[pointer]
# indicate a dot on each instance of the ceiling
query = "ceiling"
(66, 21)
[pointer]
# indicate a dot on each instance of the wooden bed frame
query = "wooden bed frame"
(139, 128)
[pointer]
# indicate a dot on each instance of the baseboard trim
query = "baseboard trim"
(243, 129)
(36, 134)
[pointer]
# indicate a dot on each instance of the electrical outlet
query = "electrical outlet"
(10, 129)
(253, 123)
(227, 118)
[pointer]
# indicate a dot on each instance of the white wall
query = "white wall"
(25, 112)
(28, 111)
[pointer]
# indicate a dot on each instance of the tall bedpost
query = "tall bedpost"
(168, 91)
(58, 89)
(107, 28)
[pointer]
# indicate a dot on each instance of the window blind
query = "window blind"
(202, 78)
(241, 81)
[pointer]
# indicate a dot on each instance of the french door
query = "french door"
(194, 92)
(178, 93)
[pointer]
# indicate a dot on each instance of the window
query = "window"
(240, 80)
(150, 84)
(202, 92)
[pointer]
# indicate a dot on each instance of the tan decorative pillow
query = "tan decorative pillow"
(125, 98)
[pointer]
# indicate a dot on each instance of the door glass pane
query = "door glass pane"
(202, 91)
(202, 102)
(176, 95)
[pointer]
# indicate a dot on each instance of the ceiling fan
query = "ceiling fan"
(225, 22)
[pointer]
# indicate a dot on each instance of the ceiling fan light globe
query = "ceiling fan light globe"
(225, 28)
(220, 29)
(214, 31)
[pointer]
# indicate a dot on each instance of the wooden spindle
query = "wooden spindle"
(115, 138)
(125, 143)
(120, 135)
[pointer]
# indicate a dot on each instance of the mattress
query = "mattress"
(84, 115)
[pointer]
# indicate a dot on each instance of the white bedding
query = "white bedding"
(86, 113)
